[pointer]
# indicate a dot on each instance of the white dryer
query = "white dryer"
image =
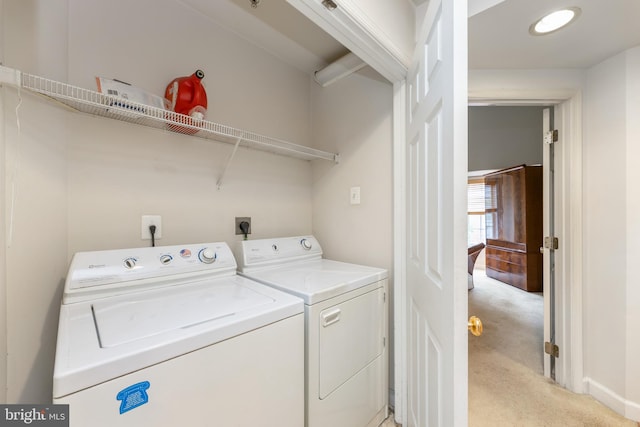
(168, 336)
(346, 354)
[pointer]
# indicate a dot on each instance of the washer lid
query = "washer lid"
(129, 318)
(317, 280)
(110, 337)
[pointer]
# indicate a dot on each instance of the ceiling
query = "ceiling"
(276, 27)
(498, 36)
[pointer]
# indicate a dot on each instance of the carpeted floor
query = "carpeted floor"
(389, 422)
(506, 385)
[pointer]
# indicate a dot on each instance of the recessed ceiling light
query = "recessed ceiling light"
(554, 21)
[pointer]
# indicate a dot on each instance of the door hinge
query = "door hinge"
(551, 136)
(551, 243)
(552, 349)
(329, 4)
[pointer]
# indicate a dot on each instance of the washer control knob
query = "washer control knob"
(129, 263)
(306, 244)
(207, 255)
(165, 259)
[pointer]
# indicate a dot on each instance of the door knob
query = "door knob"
(475, 326)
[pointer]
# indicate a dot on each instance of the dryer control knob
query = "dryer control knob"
(129, 263)
(165, 259)
(207, 255)
(306, 244)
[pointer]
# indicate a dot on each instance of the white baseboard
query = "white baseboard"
(609, 398)
(633, 411)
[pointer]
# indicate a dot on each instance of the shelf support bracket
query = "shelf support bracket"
(10, 76)
(226, 166)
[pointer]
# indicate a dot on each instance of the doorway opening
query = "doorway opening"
(505, 212)
(506, 158)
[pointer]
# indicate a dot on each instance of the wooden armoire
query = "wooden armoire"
(513, 215)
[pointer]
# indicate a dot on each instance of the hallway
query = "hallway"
(506, 386)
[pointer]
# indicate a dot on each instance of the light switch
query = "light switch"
(354, 199)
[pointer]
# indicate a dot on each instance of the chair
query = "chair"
(474, 251)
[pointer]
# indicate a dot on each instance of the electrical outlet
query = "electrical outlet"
(240, 219)
(148, 220)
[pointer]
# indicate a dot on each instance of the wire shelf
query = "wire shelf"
(110, 106)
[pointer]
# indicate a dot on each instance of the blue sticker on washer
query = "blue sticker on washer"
(133, 396)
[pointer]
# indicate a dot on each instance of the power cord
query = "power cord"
(245, 228)
(152, 230)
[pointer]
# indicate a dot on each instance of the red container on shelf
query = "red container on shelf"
(187, 96)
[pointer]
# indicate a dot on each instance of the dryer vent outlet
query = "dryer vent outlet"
(239, 228)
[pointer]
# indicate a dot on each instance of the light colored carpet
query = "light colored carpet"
(389, 422)
(506, 385)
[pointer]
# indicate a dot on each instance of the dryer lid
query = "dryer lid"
(318, 280)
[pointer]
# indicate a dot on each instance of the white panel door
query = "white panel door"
(436, 261)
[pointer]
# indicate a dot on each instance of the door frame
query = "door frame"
(353, 28)
(399, 250)
(568, 221)
(568, 225)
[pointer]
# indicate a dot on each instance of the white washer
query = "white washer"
(169, 336)
(346, 316)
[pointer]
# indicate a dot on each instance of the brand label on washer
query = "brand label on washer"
(133, 396)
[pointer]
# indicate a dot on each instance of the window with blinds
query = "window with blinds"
(476, 210)
(475, 197)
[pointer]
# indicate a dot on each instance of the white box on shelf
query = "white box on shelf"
(130, 93)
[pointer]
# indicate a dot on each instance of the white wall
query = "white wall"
(612, 234)
(3, 244)
(85, 181)
(113, 164)
(633, 232)
(156, 41)
(353, 117)
(364, 144)
(540, 84)
(501, 137)
(605, 225)
(34, 202)
(36, 256)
